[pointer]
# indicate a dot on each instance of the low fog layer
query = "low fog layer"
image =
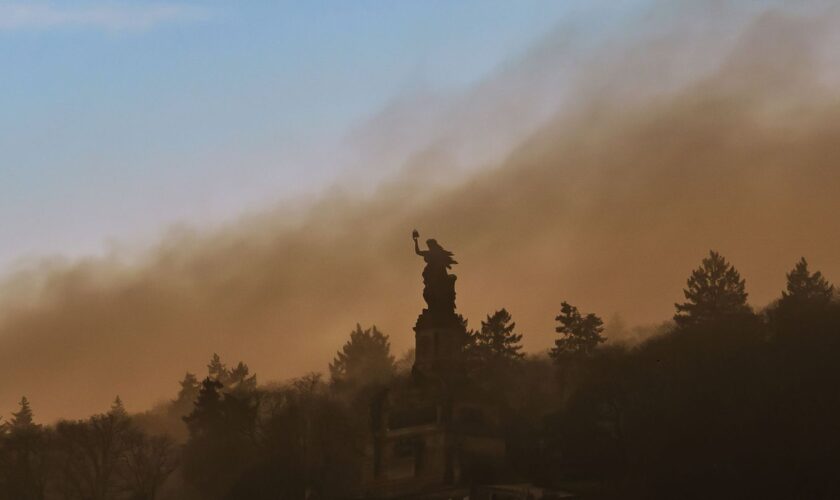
(659, 152)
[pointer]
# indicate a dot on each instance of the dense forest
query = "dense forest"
(723, 401)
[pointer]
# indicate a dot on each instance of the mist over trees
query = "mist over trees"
(728, 402)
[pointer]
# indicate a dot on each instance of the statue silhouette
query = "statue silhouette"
(439, 285)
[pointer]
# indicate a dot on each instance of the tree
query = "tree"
(189, 388)
(806, 316)
(118, 409)
(496, 339)
(715, 290)
(217, 370)
(240, 381)
(806, 288)
(148, 460)
(24, 456)
(187, 394)
(580, 334)
(23, 417)
(364, 360)
(90, 454)
(222, 439)
(207, 408)
(312, 445)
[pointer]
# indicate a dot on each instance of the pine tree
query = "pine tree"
(240, 381)
(806, 288)
(207, 410)
(189, 388)
(496, 339)
(217, 370)
(117, 408)
(364, 359)
(24, 456)
(580, 334)
(23, 418)
(187, 395)
(715, 290)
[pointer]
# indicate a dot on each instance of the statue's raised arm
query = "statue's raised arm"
(415, 234)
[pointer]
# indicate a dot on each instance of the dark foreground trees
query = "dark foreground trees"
(727, 404)
(105, 457)
(24, 461)
(311, 445)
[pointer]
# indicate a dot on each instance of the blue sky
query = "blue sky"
(118, 119)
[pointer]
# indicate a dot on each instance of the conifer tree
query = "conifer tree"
(364, 359)
(187, 395)
(240, 380)
(189, 388)
(496, 339)
(117, 408)
(580, 335)
(217, 370)
(207, 411)
(714, 290)
(804, 287)
(24, 417)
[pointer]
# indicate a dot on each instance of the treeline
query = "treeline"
(105, 456)
(725, 402)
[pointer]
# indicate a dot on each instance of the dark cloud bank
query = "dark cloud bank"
(659, 152)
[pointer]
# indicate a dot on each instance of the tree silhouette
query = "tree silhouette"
(148, 460)
(90, 453)
(187, 394)
(714, 290)
(222, 439)
(580, 335)
(312, 444)
(365, 359)
(23, 417)
(24, 457)
(804, 287)
(496, 339)
(118, 409)
(217, 370)
(189, 388)
(207, 409)
(239, 379)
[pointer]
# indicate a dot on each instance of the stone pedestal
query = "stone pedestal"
(430, 436)
(438, 350)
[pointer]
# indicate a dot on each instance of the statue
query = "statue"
(438, 284)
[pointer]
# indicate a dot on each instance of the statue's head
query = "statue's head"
(433, 244)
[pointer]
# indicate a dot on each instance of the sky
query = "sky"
(120, 119)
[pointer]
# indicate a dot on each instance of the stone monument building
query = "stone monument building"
(432, 437)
